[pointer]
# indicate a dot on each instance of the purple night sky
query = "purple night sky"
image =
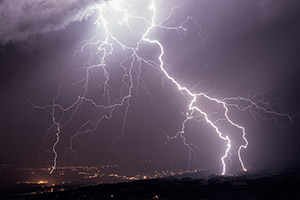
(245, 48)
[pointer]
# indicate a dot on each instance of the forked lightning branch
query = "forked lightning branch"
(106, 41)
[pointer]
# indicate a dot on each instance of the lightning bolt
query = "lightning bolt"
(102, 45)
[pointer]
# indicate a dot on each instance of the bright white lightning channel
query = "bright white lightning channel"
(105, 47)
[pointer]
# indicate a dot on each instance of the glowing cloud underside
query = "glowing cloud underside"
(105, 41)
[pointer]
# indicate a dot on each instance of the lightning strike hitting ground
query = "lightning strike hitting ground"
(102, 45)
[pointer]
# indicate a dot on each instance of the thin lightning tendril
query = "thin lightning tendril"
(105, 48)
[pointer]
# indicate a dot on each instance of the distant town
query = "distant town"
(82, 182)
(41, 181)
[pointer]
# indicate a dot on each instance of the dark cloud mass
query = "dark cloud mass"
(21, 19)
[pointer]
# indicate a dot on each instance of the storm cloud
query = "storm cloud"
(22, 19)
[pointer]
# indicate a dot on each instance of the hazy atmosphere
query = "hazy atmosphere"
(64, 73)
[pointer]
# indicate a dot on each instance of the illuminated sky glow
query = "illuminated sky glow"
(105, 47)
(126, 40)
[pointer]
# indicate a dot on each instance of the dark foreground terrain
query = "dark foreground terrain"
(275, 185)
